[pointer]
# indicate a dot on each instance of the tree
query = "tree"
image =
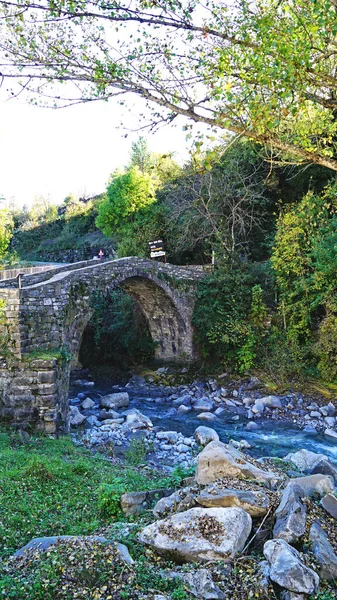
(6, 230)
(127, 194)
(265, 69)
(218, 204)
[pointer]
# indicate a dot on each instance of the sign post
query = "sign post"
(157, 249)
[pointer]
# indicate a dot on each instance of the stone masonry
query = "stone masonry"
(50, 312)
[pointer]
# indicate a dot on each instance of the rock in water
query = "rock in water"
(220, 460)
(287, 569)
(136, 420)
(291, 515)
(115, 401)
(200, 534)
(324, 552)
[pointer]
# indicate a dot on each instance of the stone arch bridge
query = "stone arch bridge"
(45, 316)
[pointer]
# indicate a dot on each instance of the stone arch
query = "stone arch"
(167, 313)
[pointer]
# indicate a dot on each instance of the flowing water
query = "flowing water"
(273, 438)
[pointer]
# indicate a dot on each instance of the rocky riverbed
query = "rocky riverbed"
(165, 417)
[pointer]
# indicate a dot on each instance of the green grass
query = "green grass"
(51, 487)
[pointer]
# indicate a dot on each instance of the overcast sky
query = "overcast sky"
(72, 150)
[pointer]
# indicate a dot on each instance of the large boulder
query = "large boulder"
(323, 551)
(219, 460)
(290, 515)
(254, 503)
(200, 534)
(305, 460)
(329, 502)
(270, 401)
(115, 401)
(287, 569)
(203, 435)
(315, 485)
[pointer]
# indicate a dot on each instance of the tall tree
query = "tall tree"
(265, 69)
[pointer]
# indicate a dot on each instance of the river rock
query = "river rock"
(325, 468)
(136, 420)
(170, 436)
(254, 503)
(220, 460)
(108, 414)
(331, 434)
(315, 484)
(203, 404)
(203, 435)
(252, 426)
(290, 515)
(329, 502)
(87, 404)
(200, 534)
(182, 401)
(323, 551)
(287, 569)
(115, 401)
(271, 401)
(76, 417)
(207, 416)
(305, 460)
(184, 409)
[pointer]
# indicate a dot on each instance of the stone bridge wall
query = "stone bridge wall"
(51, 314)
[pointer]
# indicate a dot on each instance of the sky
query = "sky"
(52, 153)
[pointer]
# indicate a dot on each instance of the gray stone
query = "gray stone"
(184, 409)
(324, 552)
(200, 534)
(290, 515)
(287, 569)
(134, 503)
(258, 408)
(329, 502)
(179, 501)
(220, 460)
(202, 586)
(254, 503)
(271, 401)
(76, 417)
(204, 435)
(169, 436)
(331, 434)
(115, 401)
(207, 416)
(305, 460)
(325, 468)
(219, 412)
(203, 404)
(136, 420)
(182, 401)
(42, 544)
(93, 421)
(252, 426)
(108, 414)
(87, 404)
(315, 484)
